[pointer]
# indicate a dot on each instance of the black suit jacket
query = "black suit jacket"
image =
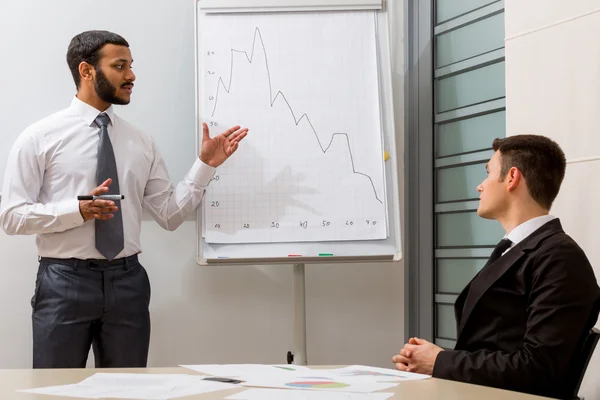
(521, 320)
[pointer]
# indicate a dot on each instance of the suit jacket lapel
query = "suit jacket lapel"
(459, 304)
(492, 272)
(485, 279)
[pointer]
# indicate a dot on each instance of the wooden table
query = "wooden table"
(429, 389)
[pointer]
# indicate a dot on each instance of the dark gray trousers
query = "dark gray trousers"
(83, 303)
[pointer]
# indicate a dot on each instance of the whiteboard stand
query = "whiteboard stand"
(388, 249)
(298, 356)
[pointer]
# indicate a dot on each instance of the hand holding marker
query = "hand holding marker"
(97, 205)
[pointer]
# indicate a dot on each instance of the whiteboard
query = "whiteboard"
(374, 235)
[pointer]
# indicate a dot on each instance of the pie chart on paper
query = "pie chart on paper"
(317, 385)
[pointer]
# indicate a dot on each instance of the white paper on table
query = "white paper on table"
(107, 379)
(278, 394)
(320, 383)
(87, 392)
(196, 388)
(155, 386)
(377, 374)
(163, 393)
(252, 372)
(246, 371)
(136, 386)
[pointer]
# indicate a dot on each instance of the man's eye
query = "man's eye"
(119, 67)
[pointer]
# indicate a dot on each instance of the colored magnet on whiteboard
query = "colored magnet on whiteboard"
(386, 155)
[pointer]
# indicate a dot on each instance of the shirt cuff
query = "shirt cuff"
(68, 213)
(201, 173)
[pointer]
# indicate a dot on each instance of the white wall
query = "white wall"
(199, 314)
(553, 89)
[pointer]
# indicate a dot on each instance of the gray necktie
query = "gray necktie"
(109, 233)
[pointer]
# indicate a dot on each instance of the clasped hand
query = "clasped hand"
(418, 356)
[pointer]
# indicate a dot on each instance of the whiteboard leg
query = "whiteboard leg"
(299, 356)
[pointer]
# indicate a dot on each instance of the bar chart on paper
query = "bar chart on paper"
(306, 87)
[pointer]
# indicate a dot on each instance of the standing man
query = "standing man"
(522, 320)
(90, 288)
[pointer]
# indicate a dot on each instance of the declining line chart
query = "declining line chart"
(221, 84)
(311, 168)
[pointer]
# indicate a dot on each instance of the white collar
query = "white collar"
(522, 231)
(89, 113)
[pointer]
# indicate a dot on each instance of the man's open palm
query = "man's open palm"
(215, 151)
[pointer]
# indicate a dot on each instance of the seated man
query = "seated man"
(522, 319)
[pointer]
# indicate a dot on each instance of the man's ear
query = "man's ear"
(513, 177)
(86, 71)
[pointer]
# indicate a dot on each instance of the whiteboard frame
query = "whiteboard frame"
(240, 6)
(389, 249)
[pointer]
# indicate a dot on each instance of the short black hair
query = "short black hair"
(86, 47)
(541, 161)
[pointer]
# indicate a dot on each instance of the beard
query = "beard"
(106, 90)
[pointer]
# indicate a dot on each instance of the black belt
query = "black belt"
(93, 263)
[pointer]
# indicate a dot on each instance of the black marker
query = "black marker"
(102, 197)
(224, 380)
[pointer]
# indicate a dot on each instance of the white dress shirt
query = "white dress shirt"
(522, 231)
(55, 160)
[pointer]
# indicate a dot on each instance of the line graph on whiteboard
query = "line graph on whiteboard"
(306, 85)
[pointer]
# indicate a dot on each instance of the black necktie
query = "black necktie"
(500, 248)
(109, 233)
